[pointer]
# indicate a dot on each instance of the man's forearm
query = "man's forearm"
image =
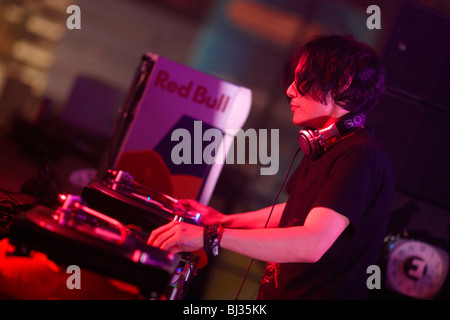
(282, 245)
(254, 219)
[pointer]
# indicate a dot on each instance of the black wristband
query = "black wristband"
(211, 239)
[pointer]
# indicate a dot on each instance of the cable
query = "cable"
(268, 219)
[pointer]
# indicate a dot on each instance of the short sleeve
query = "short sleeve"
(349, 186)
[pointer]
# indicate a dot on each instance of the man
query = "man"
(319, 243)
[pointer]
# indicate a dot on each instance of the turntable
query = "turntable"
(79, 235)
(120, 197)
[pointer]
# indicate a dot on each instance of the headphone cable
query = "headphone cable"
(268, 219)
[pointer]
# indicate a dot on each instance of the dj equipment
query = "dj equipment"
(77, 234)
(312, 142)
(143, 209)
(122, 198)
(416, 266)
(11, 204)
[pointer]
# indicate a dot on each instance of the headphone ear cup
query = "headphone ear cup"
(309, 144)
(312, 141)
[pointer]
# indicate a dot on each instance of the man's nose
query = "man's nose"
(291, 91)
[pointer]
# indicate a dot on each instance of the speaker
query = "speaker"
(413, 116)
(418, 140)
(416, 57)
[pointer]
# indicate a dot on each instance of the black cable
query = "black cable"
(268, 218)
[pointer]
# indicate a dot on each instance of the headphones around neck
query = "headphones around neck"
(312, 142)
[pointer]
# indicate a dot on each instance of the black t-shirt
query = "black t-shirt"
(354, 177)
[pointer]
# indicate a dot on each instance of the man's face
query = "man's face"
(308, 112)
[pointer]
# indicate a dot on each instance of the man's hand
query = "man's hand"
(208, 216)
(177, 237)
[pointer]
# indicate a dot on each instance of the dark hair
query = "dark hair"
(340, 66)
